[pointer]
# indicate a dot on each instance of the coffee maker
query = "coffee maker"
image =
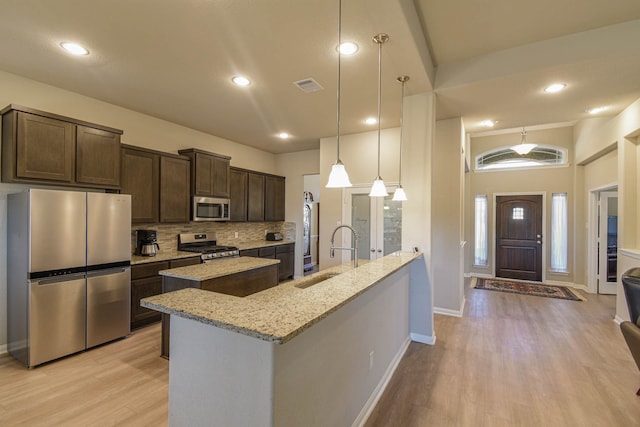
(146, 242)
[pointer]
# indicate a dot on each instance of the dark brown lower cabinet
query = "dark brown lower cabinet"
(238, 284)
(146, 282)
(285, 253)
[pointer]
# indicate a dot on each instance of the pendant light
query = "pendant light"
(399, 195)
(378, 189)
(338, 178)
(523, 148)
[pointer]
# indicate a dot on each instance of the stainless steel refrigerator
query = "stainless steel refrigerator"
(68, 272)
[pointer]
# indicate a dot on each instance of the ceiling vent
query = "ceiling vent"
(308, 85)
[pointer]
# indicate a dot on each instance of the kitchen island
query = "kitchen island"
(306, 352)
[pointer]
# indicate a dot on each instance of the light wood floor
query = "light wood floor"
(511, 361)
(516, 360)
(124, 383)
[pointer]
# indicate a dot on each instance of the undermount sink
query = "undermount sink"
(321, 277)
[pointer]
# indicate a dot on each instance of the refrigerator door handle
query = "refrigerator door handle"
(107, 271)
(57, 279)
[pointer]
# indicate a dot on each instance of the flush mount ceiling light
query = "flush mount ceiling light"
(378, 189)
(348, 48)
(371, 121)
(241, 81)
(338, 178)
(74, 48)
(597, 110)
(283, 135)
(523, 148)
(555, 88)
(488, 123)
(399, 195)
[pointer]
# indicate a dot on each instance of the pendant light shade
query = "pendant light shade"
(378, 189)
(523, 148)
(399, 195)
(338, 178)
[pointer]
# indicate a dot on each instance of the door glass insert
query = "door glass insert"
(518, 213)
(361, 222)
(392, 212)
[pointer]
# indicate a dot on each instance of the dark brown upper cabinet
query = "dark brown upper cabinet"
(274, 188)
(45, 148)
(141, 179)
(255, 196)
(174, 189)
(97, 157)
(209, 173)
(238, 194)
(159, 184)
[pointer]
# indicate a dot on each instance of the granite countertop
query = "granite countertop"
(162, 256)
(256, 244)
(282, 312)
(218, 268)
(176, 254)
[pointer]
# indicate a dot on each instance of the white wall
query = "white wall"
(447, 216)
(594, 139)
(294, 166)
(139, 129)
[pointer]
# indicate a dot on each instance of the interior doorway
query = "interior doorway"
(604, 241)
(377, 220)
(519, 237)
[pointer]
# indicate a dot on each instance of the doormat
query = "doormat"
(526, 288)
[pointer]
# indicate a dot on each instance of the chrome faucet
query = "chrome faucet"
(332, 251)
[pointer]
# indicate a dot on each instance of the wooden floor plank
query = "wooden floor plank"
(517, 360)
(512, 360)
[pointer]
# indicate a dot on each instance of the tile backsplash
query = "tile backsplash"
(247, 232)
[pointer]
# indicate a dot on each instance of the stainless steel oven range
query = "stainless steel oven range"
(207, 245)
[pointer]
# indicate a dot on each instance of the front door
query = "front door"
(519, 237)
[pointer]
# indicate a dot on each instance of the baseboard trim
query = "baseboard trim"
(3, 349)
(482, 275)
(618, 319)
(423, 339)
(447, 312)
(364, 414)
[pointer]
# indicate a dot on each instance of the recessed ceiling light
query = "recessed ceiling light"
(241, 81)
(283, 135)
(74, 48)
(371, 120)
(348, 48)
(488, 123)
(556, 87)
(597, 110)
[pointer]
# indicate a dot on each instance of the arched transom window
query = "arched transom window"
(506, 158)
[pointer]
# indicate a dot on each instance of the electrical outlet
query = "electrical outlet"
(265, 232)
(371, 360)
(235, 235)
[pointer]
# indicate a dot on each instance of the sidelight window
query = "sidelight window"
(481, 247)
(559, 232)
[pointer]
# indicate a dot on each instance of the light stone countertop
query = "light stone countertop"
(166, 255)
(218, 268)
(282, 312)
(162, 256)
(256, 244)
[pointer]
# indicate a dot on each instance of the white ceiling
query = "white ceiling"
(174, 60)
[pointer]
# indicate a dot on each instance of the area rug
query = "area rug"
(526, 288)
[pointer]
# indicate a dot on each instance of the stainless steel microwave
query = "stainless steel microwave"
(210, 209)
